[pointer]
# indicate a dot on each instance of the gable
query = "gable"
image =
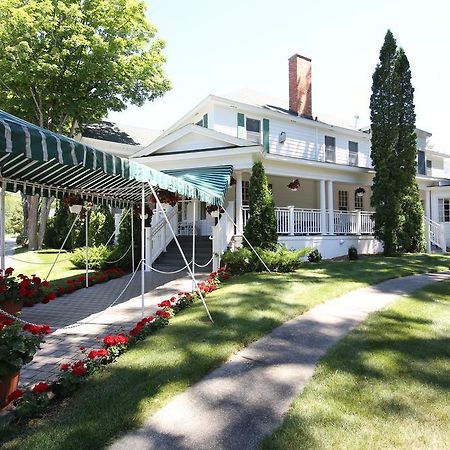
(192, 142)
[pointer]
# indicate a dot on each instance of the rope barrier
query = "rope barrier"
(18, 319)
(123, 256)
(204, 265)
(168, 273)
(78, 324)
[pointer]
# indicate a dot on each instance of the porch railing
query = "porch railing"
(298, 221)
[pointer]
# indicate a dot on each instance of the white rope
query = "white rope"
(12, 316)
(123, 256)
(204, 265)
(110, 306)
(168, 273)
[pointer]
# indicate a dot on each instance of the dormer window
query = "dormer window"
(253, 127)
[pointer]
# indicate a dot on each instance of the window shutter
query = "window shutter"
(205, 120)
(241, 132)
(266, 135)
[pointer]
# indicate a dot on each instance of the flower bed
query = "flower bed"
(73, 375)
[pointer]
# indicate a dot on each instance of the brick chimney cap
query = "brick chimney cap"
(297, 55)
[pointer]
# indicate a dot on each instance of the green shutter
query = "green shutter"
(241, 133)
(266, 135)
(205, 120)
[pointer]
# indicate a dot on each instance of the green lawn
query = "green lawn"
(385, 386)
(157, 369)
(38, 262)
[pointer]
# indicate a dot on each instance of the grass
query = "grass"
(385, 386)
(38, 262)
(153, 372)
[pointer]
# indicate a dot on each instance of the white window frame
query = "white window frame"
(359, 202)
(245, 192)
(343, 200)
(444, 210)
(253, 135)
(353, 156)
(330, 150)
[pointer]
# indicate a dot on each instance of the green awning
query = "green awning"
(215, 179)
(36, 160)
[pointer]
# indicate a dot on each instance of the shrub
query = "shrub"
(314, 256)
(352, 253)
(279, 260)
(101, 225)
(97, 256)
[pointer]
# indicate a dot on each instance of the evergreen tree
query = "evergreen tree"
(411, 233)
(261, 229)
(101, 226)
(384, 116)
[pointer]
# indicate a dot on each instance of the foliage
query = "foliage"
(98, 257)
(124, 243)
(314, 256)
(244, 260)
(393, 152)
(30, 403)
(101, 225)
(58, 227)
(261, 228)
(353, 253)
(165, 196)
(18, 344)
(13, 214)
(64, 63)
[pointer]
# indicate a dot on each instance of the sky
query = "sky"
(215, 47)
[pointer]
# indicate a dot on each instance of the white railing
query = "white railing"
(158, 236)
(435, 234)
(222, 234)
(294, 221)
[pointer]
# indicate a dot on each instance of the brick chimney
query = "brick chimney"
(300, 94)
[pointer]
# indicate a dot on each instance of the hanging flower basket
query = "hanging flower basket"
(167, 198)
(294, 185)
(360, 192)
(74, 202)
(214, 210)
(232, 181)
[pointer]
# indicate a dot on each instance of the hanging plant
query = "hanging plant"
(167, 197)
(214, 210)
(360, 192)
(137, 210)
(232, 181)
(74, 202)
(294, 185)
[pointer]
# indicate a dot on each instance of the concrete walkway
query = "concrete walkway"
(244, 400)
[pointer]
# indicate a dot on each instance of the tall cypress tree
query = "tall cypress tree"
(384, 114)
(261, 228)
(411, 233)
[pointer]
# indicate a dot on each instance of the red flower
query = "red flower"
(9, 271)
(163, 314)
(82, 348)
(37, 329)
(40, 388)
(101, 353)
(165, 304)
(51, 295)
(79, 369)
(15, 395)
(64, 367)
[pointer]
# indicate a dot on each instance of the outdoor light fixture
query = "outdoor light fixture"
(282, 137)
(360, 192)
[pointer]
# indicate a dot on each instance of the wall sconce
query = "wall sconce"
(282, 137)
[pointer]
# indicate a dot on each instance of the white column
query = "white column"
(427, 203)
(323, 208)
(2, 225)
(86, 230)
(291, 220)
(330, 208)
(239, 203)
(142, 249)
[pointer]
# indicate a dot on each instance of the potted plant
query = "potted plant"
(360, 192)
(74, 202)
(214, 210)
(294, 185)
(18, 345)
(167, 198)
(137, 211)
(22, 290)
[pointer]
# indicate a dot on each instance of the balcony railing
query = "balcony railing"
(301, 221)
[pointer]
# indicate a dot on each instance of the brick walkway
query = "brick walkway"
(85, 305)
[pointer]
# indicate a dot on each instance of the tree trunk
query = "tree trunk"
(46, 204)
(33, 212)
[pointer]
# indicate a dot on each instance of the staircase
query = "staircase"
(435, 235)
(172, 260)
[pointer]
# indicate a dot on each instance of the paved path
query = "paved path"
(244, 400)
(85, 305)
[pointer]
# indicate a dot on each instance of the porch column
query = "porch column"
(427, 203)
(239, 224)
(330, 208)
(323, 208)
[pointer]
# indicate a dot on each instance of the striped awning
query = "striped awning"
(213, 179)
(36, 160)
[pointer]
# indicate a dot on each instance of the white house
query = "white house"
(331, 210)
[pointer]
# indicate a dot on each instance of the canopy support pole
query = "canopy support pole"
(193, 241)
(188, 266)
(86, 232)
(142, 249)
(132, 239)
(2, 225)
